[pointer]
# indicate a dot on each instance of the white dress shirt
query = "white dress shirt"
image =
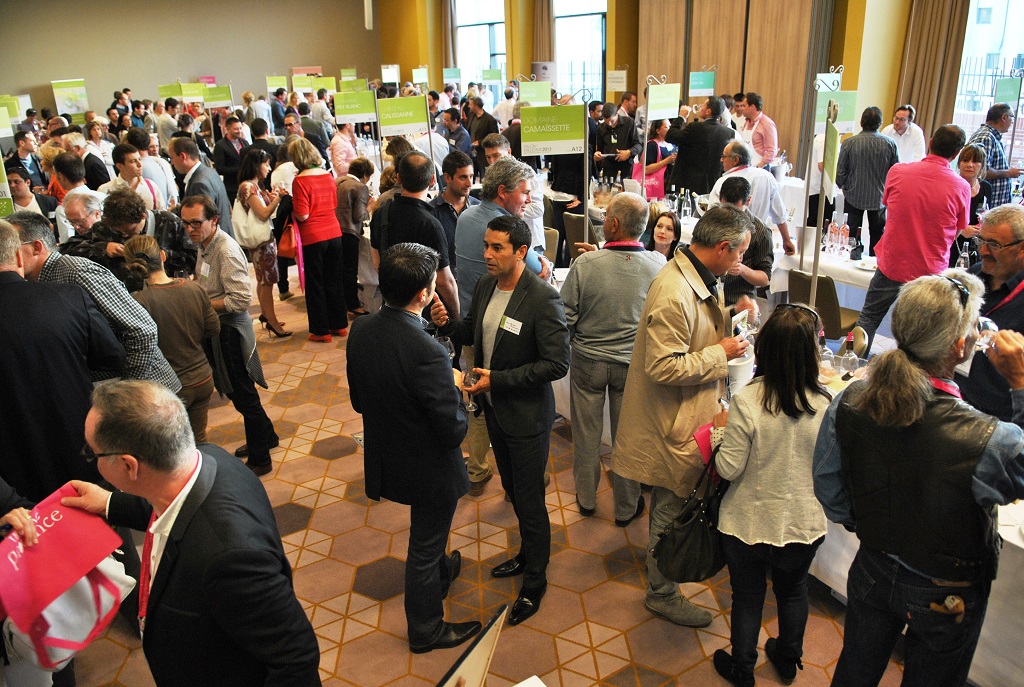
(910, 144)
(765, 200)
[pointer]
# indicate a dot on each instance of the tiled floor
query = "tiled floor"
(348, 554)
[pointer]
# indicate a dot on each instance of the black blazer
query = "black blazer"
(96, 173)
(698, 164)
(414, 419)
(523, 365)
(227, 161)
(222, 610)
(54, 339)
(207, 182)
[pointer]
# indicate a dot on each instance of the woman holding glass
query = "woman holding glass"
(665, 237)
(770, 520)
(972, 165)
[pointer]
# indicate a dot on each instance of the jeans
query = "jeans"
(522, 462)
(884, 597)
(350, 273)
(477, 437)
(876, 224)
(748, 565)
(259, 430)
(882, 293)
(325, 293)
(589, 380)
(426, 570)
(665, 507)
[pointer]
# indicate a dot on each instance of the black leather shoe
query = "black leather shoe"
(453, 635)
(260, 470)
(526, 605)
(727, 668)
(243, 450)
(509, 568)
(454, 568)
(585, 512)
(639, 511)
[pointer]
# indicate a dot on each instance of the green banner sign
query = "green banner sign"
(6, 202)
(218, 96)
(171, 90)
(491, 75)
(357, 106)
(420, 75)
(663, 101)
(1008, 91)
(348, 74)
(326, 82)
(403, 116)
(536, 93)
(849, 117)
(193, 92)
(831, 158)
(553, 130)
(302, 83)
(452, 74)
(702, 84)
(276, 82)
(352, 86)
(70, 95)
(13, 107)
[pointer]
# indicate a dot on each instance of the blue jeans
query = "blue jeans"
(748, 565)
(884, 597)
(882, 293)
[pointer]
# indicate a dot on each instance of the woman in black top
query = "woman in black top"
(972, 166)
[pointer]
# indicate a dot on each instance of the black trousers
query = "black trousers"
(426, 569)
(521, 464)
(876, 223)
(259, 430)
(350, 273)
(325, 292)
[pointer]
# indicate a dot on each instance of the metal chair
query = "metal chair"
(836, 319)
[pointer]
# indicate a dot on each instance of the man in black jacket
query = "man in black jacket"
(698, 160)
(617, 144)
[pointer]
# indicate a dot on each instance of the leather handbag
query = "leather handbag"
(250, 231)
(690, 548)
(287, 246)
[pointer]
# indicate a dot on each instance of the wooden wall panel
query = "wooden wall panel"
(662, 41)
(777, 63)
(717, 39)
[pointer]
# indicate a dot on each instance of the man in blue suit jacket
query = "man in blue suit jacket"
(414, 422)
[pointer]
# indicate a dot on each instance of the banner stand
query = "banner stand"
(833, 83)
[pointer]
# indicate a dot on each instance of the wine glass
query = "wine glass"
(468, 380)
(987, 330)
(448, 346)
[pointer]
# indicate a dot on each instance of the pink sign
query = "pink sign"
(208, 80)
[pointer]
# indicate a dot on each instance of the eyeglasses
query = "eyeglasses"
(195, 223)
(798, 306)
(91, 456)
(964, 293)
(994, 245)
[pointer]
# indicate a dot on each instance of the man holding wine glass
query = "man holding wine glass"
(414, 421)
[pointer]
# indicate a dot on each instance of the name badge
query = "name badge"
(615, 140)
(204, 271)
(511, 325)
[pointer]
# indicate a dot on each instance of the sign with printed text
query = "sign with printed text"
(352, 86)
(193, 92)
(831, 158)
(207, 80)
(348, 74)
(829, 81)
(846, 122)
(302, 83)
(491, 75)
(452, 74)
(13, 107)
(390, 73)
(403, 116)
(536, 93)
(702, 84)
(554, 130)
(616, 80)
(218, 96)
(355, 106)
(663, 101)
(1008, 91)
(276, 82)
(6, 202)
(420, 75)
(329, 83)
(171, 90)
(70, 96)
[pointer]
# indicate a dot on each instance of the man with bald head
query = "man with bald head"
(604, 296)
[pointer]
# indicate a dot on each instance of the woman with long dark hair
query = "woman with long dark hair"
(770, 519)
(665, 235)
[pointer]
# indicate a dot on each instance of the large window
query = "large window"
(580, 46)
(481, 37)
(993, 47)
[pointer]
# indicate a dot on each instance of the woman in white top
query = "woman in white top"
(770, 519)
(97, 143)
(343, 149)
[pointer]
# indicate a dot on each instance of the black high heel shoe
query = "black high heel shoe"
(280, 333)
(264, 321)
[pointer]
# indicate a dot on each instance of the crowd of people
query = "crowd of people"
(136, 233)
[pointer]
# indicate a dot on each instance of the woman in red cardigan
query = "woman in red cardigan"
(313, 203)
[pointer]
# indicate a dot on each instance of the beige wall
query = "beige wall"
(239, 43)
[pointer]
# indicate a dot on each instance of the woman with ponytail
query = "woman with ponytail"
(184, 318)
(902, 461)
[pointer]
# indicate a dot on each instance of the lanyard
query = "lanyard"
(1013, 294)
(940, 384)
(630, 244)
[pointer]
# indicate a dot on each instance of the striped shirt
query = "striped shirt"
(223, 272)
(864, 161)
(131, 324)
(760, 255)
(991, 140)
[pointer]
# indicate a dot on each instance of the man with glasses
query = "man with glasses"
(989, 136)
(1001, 248)
(927, 204)
(765, 199)
(909, 137)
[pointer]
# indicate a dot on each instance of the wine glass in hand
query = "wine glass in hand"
(448, 346)
(468, 380)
